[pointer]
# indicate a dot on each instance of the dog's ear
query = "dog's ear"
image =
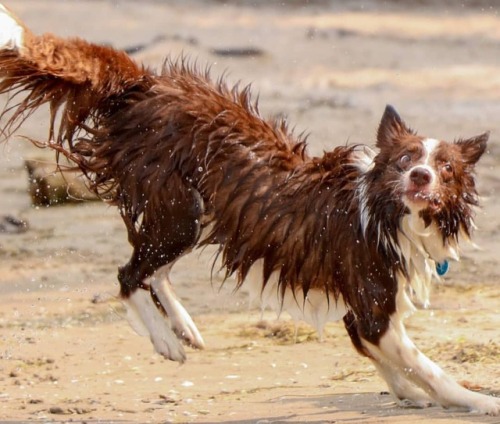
(473, 148)
(391, 128)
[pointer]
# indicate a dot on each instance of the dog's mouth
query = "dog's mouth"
(423, 199)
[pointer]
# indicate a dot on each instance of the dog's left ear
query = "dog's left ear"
(473, 148)
(391, 128)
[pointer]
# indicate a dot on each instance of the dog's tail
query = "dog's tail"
(81, 82)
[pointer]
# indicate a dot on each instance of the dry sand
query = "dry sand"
(66, 351)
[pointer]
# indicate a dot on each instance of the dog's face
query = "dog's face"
(425, 173)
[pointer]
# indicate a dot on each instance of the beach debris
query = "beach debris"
(50, 185)
(238, 52)
(12, 225)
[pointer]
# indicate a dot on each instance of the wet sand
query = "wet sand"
(66, 350)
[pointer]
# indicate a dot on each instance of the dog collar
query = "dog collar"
(442, 267)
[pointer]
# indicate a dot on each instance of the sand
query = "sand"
(67, 353)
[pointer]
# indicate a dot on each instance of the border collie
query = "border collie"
(357, 234)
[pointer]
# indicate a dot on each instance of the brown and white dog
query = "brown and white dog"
(355, 235)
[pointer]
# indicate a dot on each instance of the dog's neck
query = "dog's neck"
(422, 248)
(416, 238)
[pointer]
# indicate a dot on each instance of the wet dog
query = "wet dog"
(357, 234)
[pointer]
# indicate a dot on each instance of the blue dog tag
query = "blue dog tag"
(442, 268)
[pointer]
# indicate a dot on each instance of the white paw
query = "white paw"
(146, 319)
(414, 397)
(407, 394)
(180, 321)
(11, 32)
(487, 405)
(167, 344)
(185, 328)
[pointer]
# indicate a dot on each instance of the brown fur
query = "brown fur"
(175, 147)
(177, 152)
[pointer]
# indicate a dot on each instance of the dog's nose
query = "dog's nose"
(420, 176)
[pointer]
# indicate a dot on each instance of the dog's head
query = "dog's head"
(426, 174)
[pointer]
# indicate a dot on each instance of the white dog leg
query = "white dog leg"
(401, 388)
(180, 321)
(396, 348)
(146, 319)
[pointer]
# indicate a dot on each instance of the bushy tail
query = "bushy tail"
(81, 82)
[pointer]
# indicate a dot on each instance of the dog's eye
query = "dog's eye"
(404, 161)
(447, 171)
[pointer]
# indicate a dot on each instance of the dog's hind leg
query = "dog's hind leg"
(394, 347)
(144, 314)
(180, 321)
(147, 320)
(165, 229)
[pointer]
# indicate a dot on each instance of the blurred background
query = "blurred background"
(329, 66)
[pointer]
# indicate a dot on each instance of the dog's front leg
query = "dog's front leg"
(405, 392)
(395, 348)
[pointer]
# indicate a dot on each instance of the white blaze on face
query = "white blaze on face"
(11, 33)
(416, 197)
(430, 146)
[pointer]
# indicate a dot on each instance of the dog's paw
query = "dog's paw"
(185, 328)
(11, 32)
(180, 321)
(147, 320)
(410, 396)
(168, 346)
(487, 405)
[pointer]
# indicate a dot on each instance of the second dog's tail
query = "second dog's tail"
(82, 82)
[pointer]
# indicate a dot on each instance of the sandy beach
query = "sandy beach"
(67, 352)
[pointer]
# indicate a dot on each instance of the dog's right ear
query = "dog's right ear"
(391, 128)
(473, 148)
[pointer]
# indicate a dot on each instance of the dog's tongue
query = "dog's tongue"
(435, 202)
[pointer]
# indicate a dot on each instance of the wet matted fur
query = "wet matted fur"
(352, 235)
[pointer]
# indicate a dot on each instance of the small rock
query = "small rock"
(168, 399)
(57, 410)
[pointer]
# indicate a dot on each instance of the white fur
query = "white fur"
(11, 33)
(364, 210)
(412, 376)
(421, 267)
(421, 248)
(405, 392)
(146, 319)
(364, 159)
(316, 309)
(396, 350)
(180, 321)
(430, 145)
